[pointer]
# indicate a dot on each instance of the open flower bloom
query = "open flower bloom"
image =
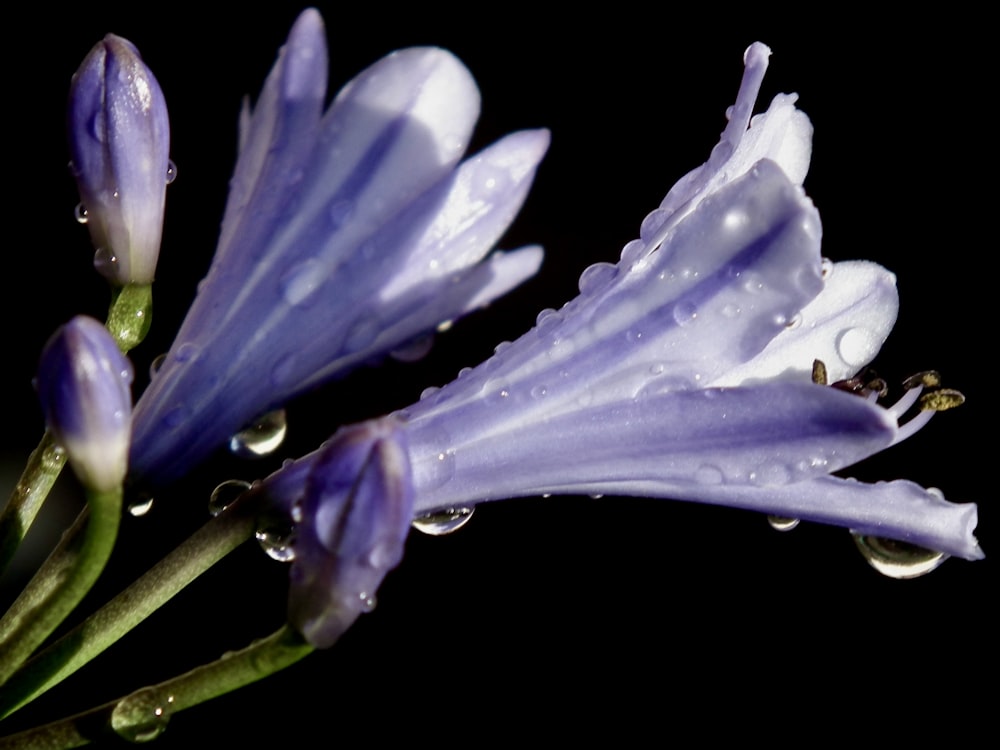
(83, 383)
(686, 371)
(119, 137)
(346, 235)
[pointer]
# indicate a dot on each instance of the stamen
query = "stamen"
(941, 400)
(819, 372)
(925, 379)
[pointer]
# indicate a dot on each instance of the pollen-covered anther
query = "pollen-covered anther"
(941, 399)
(925, 379)
(819, 376)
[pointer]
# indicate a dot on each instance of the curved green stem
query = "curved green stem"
(62, 581)
(144, 714)
(198, 553)
(32, 488)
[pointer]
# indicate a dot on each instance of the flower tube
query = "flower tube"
(119, 138)
(690, 370)
(346, 235)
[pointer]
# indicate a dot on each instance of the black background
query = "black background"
(631, 615)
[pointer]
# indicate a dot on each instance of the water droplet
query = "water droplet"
(156, 364)
(429, 391)
(781, 523)
(856, 346)
(368, 601)
(277, 538)
(444, 325)
(80, 212)
(596, 277)
(301, 281)
(171, 171)
(142, 716)
(730, 310)
(708, 474)
(105, 260)
(794, 322)
(413, 350)
(898, 559)
(684, 313)
(141, 505)
(539, 391)
(443, 522)
(186, 352)
(261, 438)
(225, 495)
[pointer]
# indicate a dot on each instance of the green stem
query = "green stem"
(144, 714)
(198, 553)
(62, 581)
(32, 488)
(130, 315)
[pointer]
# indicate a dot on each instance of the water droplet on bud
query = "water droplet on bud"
(443, 522)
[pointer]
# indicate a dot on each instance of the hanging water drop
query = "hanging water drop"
(171, 171)
(142, 716)
(105, 260)
(277, 539)
(225, 495)
(368, 601)
(262, 437)
(782, 523)
(80, 212)
(897, 559)
(444, 521)
(141, 505)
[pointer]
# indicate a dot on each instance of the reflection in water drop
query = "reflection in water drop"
(781, 523)
(141, 505)
(225, 495)
(443, 522)
(898, 559)
(261, 438)
(142, 716)
(277, 539)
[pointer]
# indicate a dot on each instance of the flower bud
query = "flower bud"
(119, 138)
(83, 383)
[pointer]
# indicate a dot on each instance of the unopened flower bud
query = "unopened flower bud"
(119, 138)
(83, 384)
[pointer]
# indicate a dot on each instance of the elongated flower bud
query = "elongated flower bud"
(119, 138)
(83, 383)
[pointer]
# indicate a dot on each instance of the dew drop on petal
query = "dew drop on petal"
(708, 474)
(368, 602)
(104, 260)
(156, 364)
(684, 313)
(596, 277)
(225, 494)
(80, 212)
(141, 505)
(171, 171)
(142, 716)
(298, 283)
(781, 523)
(262, 437)
(443, 522)
(857, 346)
(897, 559)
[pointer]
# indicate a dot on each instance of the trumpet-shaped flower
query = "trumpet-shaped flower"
(83, 383)
(687, 370)
(119, 137)
(346, 234)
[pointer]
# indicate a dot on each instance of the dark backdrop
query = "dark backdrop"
(630, 614)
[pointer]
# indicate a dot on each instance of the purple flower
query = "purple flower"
(689, 369)
(347, 234)
(83, 383)
(119, 138)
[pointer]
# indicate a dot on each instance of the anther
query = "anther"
(925, 379)
(941, 399)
